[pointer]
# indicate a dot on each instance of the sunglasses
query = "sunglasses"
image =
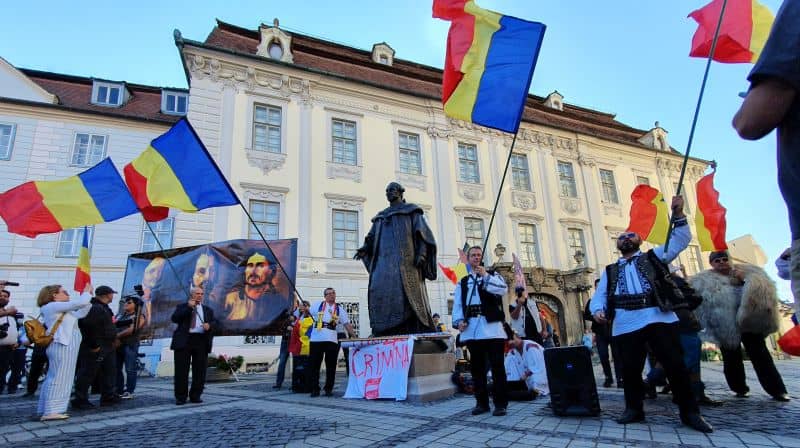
(627, 236)
(720, 260)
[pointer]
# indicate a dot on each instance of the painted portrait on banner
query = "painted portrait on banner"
(242, 281)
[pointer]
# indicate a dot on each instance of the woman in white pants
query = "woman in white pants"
(62, 353)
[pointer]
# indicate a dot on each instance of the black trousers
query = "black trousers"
(38, 362)
(318, 350)
(488, 350)
(665, 342)
(7, 364)
(102, 364)
(603, 343)
(733, 366)
(196, 354)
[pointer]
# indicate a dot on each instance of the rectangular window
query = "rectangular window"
(566, 178)
(575, 243)
(520, 175)
(107, 94)
(410, 159)
(267, 128)
(473, 231)
(89, 149)
(468, 163)
(267, 218)
(344, 142)
(613, 248)
(641, 180)
(175, 103)
(686, 207)
(163, 229)
(345, 233)
(529, 248)
(7, 132)
(693, 256)
(609, 186)
(70, 240)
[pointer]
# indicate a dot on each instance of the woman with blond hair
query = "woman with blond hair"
(60, 315)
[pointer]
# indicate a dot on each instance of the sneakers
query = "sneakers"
(126, 396)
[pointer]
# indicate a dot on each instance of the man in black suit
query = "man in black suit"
(191, 342)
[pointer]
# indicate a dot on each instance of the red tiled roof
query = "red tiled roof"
(75, 93)
(414, 79)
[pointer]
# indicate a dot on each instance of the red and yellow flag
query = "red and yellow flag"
(710, 219)
(459, 271)
(742, 34)
(649, 214)
(83, 270)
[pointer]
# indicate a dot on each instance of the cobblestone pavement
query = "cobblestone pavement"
(251, 413)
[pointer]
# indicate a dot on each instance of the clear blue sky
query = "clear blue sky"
(624, 56)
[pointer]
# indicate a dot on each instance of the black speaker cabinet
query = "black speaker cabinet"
(570, 376)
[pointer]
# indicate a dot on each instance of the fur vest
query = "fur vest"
(725, 317)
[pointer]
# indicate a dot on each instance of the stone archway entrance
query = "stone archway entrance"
(553, 312)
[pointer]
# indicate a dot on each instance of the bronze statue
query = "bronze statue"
(399, 253)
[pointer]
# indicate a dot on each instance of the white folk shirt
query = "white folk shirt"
(627, 321)
(13, 332)
(200, 320)
(477, 327)
(325, 334)
(531, 363)
(518, 324)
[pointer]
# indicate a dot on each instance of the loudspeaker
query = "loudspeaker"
(299, 374)
(570, 376)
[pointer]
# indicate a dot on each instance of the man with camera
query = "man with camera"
(97, 355)
(9, 342)
(325, 341)
(191, 344)
(478, 315)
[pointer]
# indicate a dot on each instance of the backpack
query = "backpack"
(36, 332)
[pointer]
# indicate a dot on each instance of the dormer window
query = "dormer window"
(275, 50)
(175, 103)
(107, 94)
(382, 53)
(384, 59)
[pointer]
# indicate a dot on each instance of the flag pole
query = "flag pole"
(166, 257)
(696, 114)
(500, 191)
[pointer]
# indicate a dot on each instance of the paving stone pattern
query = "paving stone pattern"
(252, 413)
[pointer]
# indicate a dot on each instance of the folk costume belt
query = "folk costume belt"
(633, 301)
(473, 311)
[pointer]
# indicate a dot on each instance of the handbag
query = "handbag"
(790, 341)
(37, 333)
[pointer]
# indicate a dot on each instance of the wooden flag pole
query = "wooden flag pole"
(696, 114)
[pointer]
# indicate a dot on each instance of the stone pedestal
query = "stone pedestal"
(429, 377)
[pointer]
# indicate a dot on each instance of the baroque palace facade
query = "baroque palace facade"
(309, 133)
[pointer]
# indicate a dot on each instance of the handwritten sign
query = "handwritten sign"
(380, 370)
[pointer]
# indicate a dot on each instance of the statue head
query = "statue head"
(394, 193)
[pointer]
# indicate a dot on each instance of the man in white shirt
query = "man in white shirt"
(9, 334)
(638, 295)
(324, 340)
(191, 344)
(525, 368)
(525, 319)
(478, 315)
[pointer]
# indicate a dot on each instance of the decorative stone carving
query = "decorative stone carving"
(525, 200)
(538, 278)
(544, 140)
(571, 205)
(472, 212)
(345, 202)
(612, 209)
(264, 192)
(412, 180)
(471, 192)
(273, 34)
(435, 132)
(585, 160)
(245, 77)
(341, 171)
(266, 161)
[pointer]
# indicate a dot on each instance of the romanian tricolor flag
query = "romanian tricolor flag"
(742, 34)
(489, 64)
(83, 270)
(177, 171)
(710, 218)
(649, 214)
(94, 196)
(519, 277)
(449, 273)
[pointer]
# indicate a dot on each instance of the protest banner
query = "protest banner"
(379, 369)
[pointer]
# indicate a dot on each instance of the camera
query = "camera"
(4, 330)
(139, 290)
